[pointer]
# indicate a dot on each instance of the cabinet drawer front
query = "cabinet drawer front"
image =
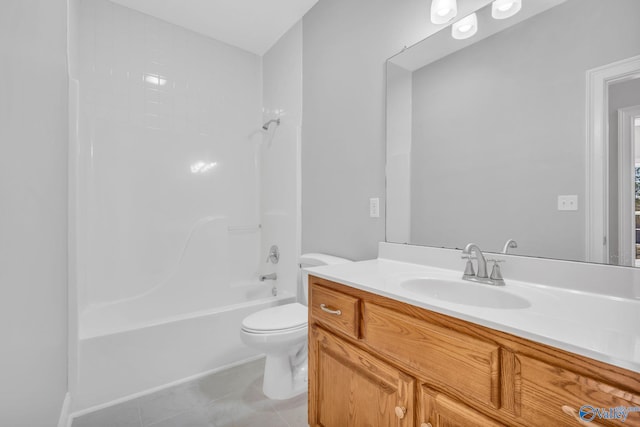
(464, 366)
(549, 395)
(438, 410)
(334, 309)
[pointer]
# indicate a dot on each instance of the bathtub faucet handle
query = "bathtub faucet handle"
(274, 254)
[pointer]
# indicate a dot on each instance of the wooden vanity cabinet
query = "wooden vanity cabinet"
(377, 362)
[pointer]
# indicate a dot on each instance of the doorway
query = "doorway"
(628, 132)
(605, 241)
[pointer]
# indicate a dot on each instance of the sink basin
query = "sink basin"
(462, 292)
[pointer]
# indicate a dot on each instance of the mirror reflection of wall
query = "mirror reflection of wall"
(482, 142)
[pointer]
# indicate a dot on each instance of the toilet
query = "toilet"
(281, 333)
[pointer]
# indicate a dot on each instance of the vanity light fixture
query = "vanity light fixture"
(503, 9)
(465, 28)
(443, 11)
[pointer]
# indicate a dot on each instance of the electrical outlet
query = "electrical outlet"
(568, 203)
(374, 207)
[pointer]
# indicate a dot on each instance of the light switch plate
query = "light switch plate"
(568, 203)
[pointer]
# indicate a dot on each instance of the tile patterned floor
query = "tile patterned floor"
(231, 398)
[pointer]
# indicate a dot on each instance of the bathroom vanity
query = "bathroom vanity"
(381, 355)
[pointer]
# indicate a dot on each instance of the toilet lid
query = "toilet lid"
(282, 317)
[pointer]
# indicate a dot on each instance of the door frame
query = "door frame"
(597, 161)
(626, 184)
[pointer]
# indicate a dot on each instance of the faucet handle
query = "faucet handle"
(468, 269)
(274, 254)
(496, 273)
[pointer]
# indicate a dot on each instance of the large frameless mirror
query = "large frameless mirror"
(527, 130)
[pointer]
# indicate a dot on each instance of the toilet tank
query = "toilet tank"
(313, 260)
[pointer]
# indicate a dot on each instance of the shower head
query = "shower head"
(266, 125)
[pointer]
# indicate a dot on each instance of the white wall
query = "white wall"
(33, 212)
(345, 45)
(280, 159)
(169, 125)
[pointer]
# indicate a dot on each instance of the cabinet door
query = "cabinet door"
(437, 410)
(349, 387)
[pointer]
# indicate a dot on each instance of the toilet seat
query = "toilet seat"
(282, 318)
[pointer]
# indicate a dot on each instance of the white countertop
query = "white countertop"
(605, 328)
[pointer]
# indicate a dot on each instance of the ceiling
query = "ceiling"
(253, 25)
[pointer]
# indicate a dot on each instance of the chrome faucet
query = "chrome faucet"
(482, 263)
(469, 274)
(511, 244)
(272, 276)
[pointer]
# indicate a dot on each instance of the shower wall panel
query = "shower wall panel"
(167, 144)
(280, 161)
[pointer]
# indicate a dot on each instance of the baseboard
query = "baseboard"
(64, 420)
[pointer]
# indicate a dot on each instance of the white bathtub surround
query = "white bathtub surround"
(280, 157)
(589, 309)
(174, 196)
(164, 120)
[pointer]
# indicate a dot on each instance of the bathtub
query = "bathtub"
(137, 346)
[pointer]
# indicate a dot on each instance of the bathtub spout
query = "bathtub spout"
(272, 276)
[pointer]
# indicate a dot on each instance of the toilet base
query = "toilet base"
(286, 374)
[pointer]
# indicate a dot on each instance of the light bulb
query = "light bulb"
(465, 28)
(502, 9)
(443, 11)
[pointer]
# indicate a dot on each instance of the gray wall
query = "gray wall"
(499, 131)
(33, 212)
(398, 214)
(345, 45)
